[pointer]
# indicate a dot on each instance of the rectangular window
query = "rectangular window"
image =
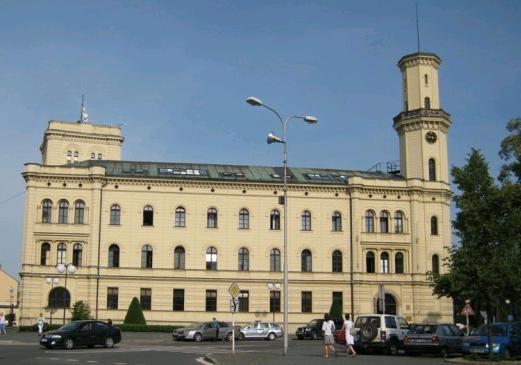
(211, 300)
(338, 300)
(274, 301)
(179, 300)
(244, 301)
(145, 298)
(112, 298)
(306, 302)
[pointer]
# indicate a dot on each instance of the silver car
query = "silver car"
(199, 331)
(261, 330)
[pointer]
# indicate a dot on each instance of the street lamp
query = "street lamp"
(65, 269)
(467, 304)
(11, 295)
(53, 281)
(510, 316)
(272, 288)
(272, 138)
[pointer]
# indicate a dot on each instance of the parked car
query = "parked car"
(261, 330)
(506, 340)
(82, 333)
(199, 331)
(380, 331)
(441, 339)
(313, 329)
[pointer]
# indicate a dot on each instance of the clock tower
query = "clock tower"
(422, 126)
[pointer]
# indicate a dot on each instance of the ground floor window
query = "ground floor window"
(390, 305)
(211, 300)
(179, 300)
(338, 301)
(145, 298)
(112, 298)
(274, 301)
(306, 302)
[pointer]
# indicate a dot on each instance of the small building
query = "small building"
(8, 293)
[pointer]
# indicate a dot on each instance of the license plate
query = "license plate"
(43, 340)
(477, 351)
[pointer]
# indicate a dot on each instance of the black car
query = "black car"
(313, 329)
(82, 333)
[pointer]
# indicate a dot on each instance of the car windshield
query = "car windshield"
(70, 326)
(194, 324)
(313, 323)
(495, 330)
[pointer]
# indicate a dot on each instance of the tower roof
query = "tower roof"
(419, 55)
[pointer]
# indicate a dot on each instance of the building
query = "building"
(176, 235)
(8, 293)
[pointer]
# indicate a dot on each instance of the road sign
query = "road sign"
(234, 305)
(234, 290)
(467, 310)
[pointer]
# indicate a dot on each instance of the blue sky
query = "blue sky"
(178, 72)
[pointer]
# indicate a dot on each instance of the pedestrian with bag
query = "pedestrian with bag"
(41, 322)
(328, 328)
(2, 324)
(350, 340)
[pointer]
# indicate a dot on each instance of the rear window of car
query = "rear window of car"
(421, 329)
(455, 330)
(363, 320)
(495, 329)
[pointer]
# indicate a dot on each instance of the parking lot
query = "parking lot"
(159, 348)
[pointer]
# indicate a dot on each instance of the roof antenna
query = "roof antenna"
(84, 116)
(417, 28)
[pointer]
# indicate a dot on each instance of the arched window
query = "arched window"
(76, 156)
(92, 156)
(69, 157)
(427, 102)
(113, 255)
(180, 217)
(79, 212)
(63, 211)
(244, 219)
(61, 254)
(306, 221)
(384, 222)
(275, 220)
(211, 218)
(390, 305)
(275, 260)
(46, 211)
(435, 265)
(77, 252)
(398, 263)
(369, 221)
(59, 298)
(244, 259)
(45, 254)
(306, 261)
(179, 258)
(434, 226)
(398, 222)
(426, 79)
(100, 156)
(337, 261)
(115, 214)
(148, 216)
(211, 258)
(369, 262)
(432, 170)
(384, 263)
(147, 255)
(336, 221)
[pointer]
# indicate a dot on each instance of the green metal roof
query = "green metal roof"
(265, 174)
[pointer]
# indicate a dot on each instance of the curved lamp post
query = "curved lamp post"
(272, 138)
(65, 269)
(53, 281)
(272, 288)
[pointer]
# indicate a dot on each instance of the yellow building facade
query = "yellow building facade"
(177, 235)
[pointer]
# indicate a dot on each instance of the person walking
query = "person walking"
(2, 324)
(215, 324)
(328, 327)
(350, 340)
(41, 322)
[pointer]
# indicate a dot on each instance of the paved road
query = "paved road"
(158, 348)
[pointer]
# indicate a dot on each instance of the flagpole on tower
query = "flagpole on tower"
(84, 117)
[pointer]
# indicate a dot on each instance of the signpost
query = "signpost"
(234, 291)
(468, 311)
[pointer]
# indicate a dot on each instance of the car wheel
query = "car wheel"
(507, 355)
(300, 337)
(90, 346)
(444, 352)
(393, 348)
(314, 335)
(48, 347)
(109, 342)
(272, 336)
(69, 343)
(241, 336)
(198, 337)
(229, 337)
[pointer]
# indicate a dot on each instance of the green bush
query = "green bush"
(144, 328)
(80, 311)
(34, 327)
(135, 313)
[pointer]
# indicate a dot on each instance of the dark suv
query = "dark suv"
(313, 329)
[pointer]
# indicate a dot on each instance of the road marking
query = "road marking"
(92, 361)
(72, 360)
(119, 363)
(201, 360)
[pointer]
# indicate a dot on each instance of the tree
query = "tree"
(135, 313)
(80, 311)
(336, 309)
(511, 149)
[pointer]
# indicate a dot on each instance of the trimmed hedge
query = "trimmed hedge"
(135, 314)
(122, 327)
(34, 327)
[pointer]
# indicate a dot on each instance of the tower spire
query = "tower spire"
(84, 116)
(417, 28)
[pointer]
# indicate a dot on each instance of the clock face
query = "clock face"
(431, 137)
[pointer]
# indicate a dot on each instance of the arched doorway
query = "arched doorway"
(59, 298)
(390, 305)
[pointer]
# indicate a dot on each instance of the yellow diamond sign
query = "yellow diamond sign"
(234, 290)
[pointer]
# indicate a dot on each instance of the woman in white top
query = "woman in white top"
(328, 327)
(350, 340)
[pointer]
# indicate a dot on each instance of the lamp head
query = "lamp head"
(310, 119)
(270, 286)
(48, 280)
(61, 268)
(71, 269)
(272, 138)
(507, 301)
(253, 101)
